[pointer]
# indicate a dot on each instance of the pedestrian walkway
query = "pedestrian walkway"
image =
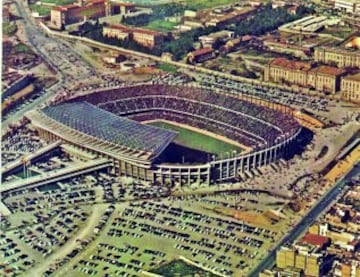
(4, 211)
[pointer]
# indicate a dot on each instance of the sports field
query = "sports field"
(195, 140)
(191, 4)
(8, 28)
(58, 2)
(44, 7)
(161, 25)
(40, 9)
(167, 67)
(153, 2)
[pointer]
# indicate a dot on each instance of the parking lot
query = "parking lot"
(146, 234)
(280, 96)
(19, 142)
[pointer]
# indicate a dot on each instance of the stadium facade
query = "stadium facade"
(108, 123)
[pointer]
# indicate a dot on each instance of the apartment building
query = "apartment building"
(350, 88)
(60, 16)
(143, 37)
(349, 6)
(337, 56)
(304, 74)
(200, 55)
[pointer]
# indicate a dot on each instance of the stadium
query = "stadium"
(114, 124)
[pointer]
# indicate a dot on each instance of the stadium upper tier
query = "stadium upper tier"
(240, 120)
(105, 126)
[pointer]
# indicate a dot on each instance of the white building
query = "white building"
(222, 36)
(190, 13)
(349, 6)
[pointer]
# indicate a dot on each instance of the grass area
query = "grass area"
(198, 141)
(22, 48)
(46, 6)
(161, 25)
(152, 2)
(180, 268)
(58, 2)
(41, 10)
(225, 59)
(167, 67)
(259, 54)
(89, 12)
(9, 28)
(201, 4)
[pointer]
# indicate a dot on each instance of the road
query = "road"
(306, 221)
(29, 29)
(41, 43)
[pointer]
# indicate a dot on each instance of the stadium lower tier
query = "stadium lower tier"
(185, 174)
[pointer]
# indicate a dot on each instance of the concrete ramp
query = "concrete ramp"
(57, 176)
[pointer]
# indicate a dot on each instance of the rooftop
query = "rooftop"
(103, 125)
(95, 2)
(6, 11)
(128, 29)
(119, 27)
(88, 3)
(354, 242)
(295, 65)
(202, 51)
(234, 14)
(351, 1)
(315, 240)
(124, 4)
(220, 34)
(146, 31)
(349, 51)
(65, 7)
(329, 70)
(354, 77)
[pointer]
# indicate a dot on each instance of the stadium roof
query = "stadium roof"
(103, 125)
(289, 64)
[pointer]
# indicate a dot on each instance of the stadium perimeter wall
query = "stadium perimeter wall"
(224, 169)
(208, 173)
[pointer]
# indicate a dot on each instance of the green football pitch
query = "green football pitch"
(196, 140)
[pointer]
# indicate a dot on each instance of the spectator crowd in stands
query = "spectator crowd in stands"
(231, 117)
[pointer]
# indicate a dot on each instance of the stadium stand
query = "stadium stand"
(233, 118)
(98, 123)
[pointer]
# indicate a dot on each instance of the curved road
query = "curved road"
(29, 31)
(84, 233)
(37, 40)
